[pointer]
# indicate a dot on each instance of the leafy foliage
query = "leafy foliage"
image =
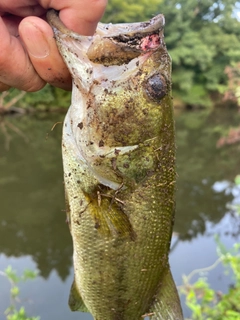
(12, 313)
(48, 98)
(131, 10)
(205, 303)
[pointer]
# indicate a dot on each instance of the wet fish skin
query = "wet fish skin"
(119, 170)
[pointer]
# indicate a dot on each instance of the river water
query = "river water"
(33, 231)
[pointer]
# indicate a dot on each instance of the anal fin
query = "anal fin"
(75, 301)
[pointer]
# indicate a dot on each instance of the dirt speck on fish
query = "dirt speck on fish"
(119, 170)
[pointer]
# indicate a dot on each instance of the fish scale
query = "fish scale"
(118, 151)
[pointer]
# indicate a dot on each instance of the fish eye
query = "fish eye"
(156, 87)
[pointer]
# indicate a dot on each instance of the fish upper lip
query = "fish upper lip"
(140, 29)
(136, 29)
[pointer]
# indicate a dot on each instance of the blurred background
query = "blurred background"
(203, 39)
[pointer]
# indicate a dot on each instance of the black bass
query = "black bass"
(119, 170)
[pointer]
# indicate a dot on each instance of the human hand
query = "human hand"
(29, 56)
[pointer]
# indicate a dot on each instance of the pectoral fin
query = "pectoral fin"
(167, 304)
(75, 300)
(110, 220)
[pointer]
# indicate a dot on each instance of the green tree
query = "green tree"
(202, 38)
(131, 10)
(233, 89)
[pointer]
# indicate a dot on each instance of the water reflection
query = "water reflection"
(32, 218)
(32, 200)
(200, 165)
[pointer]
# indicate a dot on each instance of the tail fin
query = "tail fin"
(167, 304)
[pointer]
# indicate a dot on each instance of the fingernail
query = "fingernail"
(34, 40)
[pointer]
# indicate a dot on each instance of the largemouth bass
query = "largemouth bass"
(119, 170)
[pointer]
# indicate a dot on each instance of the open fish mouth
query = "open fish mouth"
(115, 43)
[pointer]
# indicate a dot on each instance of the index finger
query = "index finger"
(85, 19)
(80, 16)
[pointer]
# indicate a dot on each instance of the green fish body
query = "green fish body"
(119, 170)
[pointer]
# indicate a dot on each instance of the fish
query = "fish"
(118, 149)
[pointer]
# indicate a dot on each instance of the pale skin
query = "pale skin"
(29, 56)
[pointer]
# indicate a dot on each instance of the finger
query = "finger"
(40, 44)
(80, 16)
(83, 18)
(12, 23)
(16, 70)
(22, 8)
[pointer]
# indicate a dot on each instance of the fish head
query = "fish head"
(121, 84)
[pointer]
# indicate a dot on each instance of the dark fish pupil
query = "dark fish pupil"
(156, 87)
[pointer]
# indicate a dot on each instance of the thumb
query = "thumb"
(41, 47)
